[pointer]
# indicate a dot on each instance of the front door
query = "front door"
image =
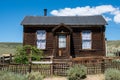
(63, 44)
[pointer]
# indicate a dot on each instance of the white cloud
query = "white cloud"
(107, 18)
(117, 18)
(87, 10)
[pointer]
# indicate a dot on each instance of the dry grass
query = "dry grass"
(89, 77)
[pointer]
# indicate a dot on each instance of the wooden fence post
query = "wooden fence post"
(103, 66)
(30, 63)
(0, 59)
(29, 52)
(51, 69)
(29, 67)
(10, 58)
(29, 58)
(71, 62)
(3, 59)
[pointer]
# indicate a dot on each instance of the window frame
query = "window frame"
(41, 39)
(86, 40)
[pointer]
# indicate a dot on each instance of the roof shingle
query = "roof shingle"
(67, 20)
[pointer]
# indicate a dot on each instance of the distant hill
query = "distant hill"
(10, 48)
(113, 43)
(113, 47)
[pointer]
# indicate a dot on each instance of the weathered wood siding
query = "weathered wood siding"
(31, 39)
(98, 40)
(29, 36)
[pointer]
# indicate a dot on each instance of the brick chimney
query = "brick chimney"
(45, 12)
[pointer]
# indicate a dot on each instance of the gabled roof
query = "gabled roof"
(67, 20)
(62, 25)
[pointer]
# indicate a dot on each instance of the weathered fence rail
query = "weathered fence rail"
(6, 58)
(60, 68)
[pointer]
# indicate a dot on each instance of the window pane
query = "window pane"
(62, 41)
(86, 44)
(86, 35)
(41, 35)
(41, 39)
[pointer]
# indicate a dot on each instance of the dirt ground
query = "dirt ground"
(95, 77)
(55, 78)
(89, 77)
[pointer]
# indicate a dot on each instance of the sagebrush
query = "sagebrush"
(112, 74)
(5, 75)
(77, 72)
(34, 76)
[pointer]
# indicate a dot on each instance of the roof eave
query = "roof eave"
(65, 24)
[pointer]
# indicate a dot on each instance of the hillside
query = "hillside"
(113, 43)
(113, 47)
(5, 48)
(8, 48)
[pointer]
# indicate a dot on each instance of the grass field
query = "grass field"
(10, 48)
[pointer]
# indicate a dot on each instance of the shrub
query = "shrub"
(77, 72)
(34, 76)
(112, 74)
(116, 61)
(4, 75)
(22, 56)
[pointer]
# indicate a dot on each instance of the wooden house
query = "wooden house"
(64, 37)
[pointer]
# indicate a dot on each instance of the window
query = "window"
(62, 41)
(86, 39)
(41, 39)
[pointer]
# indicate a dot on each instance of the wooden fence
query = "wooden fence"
(45, 69)
(6, 58)
(60, 68)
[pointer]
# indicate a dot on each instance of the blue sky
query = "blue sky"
(12, 13)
